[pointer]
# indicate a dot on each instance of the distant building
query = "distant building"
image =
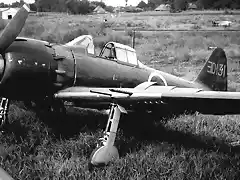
(139, 9)
(192, 6)
(8, 13)
(119, 9)
(163, 7)
(99, 10)
(3, 9)
(133, 9)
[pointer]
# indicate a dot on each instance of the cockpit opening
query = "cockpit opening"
(121, 53)
(108, 51)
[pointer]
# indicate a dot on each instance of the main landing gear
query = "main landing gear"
(4, 106)
(105, 150)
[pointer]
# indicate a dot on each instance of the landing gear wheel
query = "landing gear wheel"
(106, 151)
(102, 155)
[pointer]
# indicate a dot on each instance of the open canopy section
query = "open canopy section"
(119, 52)
(84, 40)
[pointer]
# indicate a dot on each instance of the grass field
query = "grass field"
(186, 147)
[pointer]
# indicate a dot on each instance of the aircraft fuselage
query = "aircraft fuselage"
(34, 69)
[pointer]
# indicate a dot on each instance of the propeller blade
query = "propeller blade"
(13, 28)
(4, 175)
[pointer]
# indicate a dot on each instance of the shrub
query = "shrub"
(130, 24)
(42, 14)
(70, 35)
(227, 12)
(33, 30)
(196, 27)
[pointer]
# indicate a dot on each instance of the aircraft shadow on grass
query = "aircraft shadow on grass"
(139, 126)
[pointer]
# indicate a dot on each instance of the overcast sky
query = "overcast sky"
(107, 2)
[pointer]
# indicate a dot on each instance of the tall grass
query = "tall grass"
(177, 150)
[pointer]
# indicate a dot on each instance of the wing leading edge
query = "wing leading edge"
(212, 102)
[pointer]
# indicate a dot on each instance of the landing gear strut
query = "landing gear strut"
(105, 150)
(4, 106)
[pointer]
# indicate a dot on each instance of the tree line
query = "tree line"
(85, 6)
(71, 6)
(201, 4)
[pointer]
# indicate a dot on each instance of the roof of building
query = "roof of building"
(9, 9)
(163, 7)
(3, 9)
(192, 6)
(99, 9)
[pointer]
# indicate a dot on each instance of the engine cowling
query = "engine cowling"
(25, 69)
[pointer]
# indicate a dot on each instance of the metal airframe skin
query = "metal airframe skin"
(37, 68)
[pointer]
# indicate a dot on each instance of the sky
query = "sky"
(107, 2)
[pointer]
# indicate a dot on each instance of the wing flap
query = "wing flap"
(202, 95)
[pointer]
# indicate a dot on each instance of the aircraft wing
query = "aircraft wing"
(147, 95)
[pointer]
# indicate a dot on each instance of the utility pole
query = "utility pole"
(133, 38)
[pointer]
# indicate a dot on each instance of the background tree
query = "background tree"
(2, 5)
(180, 4)
(17, 4)
(109, 9)
(152, 4)
(85, 6)
(99, 3)
(206, 4)
(45, 5)
(220, 4)
(142, 5)
(33, 7)
(60, 6)
(72, 6)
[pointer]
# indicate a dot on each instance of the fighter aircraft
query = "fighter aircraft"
(48, 75)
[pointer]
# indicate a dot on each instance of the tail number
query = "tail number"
(217, 69)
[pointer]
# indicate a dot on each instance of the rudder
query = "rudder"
(214, 72)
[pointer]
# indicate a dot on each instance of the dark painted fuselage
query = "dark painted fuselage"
(35, 69)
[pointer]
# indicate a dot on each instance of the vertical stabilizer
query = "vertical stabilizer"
(214, 72)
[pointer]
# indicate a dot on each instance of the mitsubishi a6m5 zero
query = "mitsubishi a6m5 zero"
(40, 72)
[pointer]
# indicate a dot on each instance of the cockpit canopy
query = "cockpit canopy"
(119, 52)
(85, 41)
